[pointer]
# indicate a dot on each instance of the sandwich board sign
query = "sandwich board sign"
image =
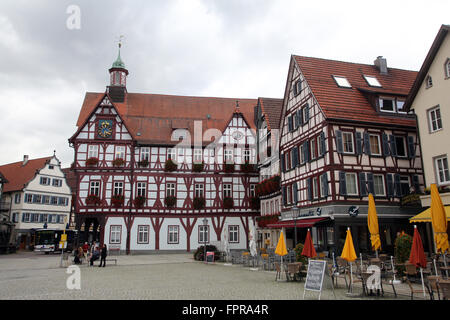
(314, 276)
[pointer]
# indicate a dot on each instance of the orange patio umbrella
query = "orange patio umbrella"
(372, 223)
(438, 220)
(349, 254)
(308, 249)
(281, 248)
(417, 255)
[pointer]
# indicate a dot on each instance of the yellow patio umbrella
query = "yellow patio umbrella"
(281, 249)
(349, 254)
(372, 223)
(438, 220)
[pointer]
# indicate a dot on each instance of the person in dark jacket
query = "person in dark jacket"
(103, 256)
(94, 256)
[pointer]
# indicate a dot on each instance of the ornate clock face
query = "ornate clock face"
(237, 135)
(105, 128)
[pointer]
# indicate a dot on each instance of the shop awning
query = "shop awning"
(425, 216)
(303, 223)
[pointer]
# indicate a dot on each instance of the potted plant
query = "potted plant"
(117, 200)
(139, 201)
(199, 203)
(93, 199)
(298, 255)
(247, 167)
(228, 203)
(119, 162)
(198, 167)
(143, 163)
(170, 201)
(228, 167)
(402, 250)
(92, 162)
(170, 166)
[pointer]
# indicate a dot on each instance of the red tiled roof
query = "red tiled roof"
(351, 103)
(155, 116)
(19, 175)
(272, 109)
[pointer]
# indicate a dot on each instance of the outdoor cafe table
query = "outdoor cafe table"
(445, 270)
(294, 269)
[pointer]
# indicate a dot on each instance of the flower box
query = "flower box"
(170, 201)
(117, 200)
(170, 166)
(198, 167)
(228, 203)
(143, 163)
(119, 162)
(93, 200)
(248, 167)
(139, 201)
(268, 186)
(228, 167)
(91, 162)
(199, 203)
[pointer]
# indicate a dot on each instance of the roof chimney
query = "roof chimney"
(25, 160)
(381, 64)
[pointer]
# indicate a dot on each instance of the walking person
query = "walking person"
(103, 256)
(95, 255)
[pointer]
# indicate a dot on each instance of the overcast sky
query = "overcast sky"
(219, 48)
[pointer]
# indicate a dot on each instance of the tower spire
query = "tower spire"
(118, 78)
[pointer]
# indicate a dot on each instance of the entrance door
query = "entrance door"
(23, 242)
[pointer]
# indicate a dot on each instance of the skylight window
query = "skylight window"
(372, 81)
(342, 82)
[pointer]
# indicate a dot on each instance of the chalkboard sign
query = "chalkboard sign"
(210, 256)
(314, 277)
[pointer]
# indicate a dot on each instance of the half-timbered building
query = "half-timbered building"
(162, 172)
(344, 134)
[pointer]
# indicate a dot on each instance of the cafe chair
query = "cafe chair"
(412, 289)
(444, 285)
(433, 286)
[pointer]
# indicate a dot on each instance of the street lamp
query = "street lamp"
(205, 223)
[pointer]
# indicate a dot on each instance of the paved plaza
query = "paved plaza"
(35, 276)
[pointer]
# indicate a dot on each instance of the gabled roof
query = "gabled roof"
(155, 116)
(272, 109)
(18, 175)
(351, 103)
(443, 31)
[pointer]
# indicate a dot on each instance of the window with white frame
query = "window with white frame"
(375, 148)
(400, 145)
(93, 151)
(44, 181)
(26, 217)
(301, 153)
(198, 156)
(170, 189)
(378, 185)
(28, 198)
(400, 104)
(387, 105)
(141, 188)
(442, 171)
(145, 153)
(17, 198)
(94, 188)
(171, 154)
(120, 152)
(227, 190)
(247, 153)
(115, 234)
(118, 188)
(434, 119)
(228, 156)
(57, 183)
(372, 81)
(252, 190)
(342, 82)
(203, 234)
(172, 235)
(15, 217)
(428, 82)
(313, 148)
(199, 190)
(315, 187)
(143, 234)
(233, 234)
(351, 184)
(347, 138)
(46, 199)
(181, 154)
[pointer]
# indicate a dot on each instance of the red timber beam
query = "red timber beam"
(245, 224)
(218, 226)
(157, 223)
(188, 227)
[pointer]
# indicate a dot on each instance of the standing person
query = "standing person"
(95, 256)
(103, 256)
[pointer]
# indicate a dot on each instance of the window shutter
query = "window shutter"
(358, 143)
(367, 143)
(411, 149)
(300, 117)
(385, 145)
(390, 186)
(342, 184)
(324, 178)
(295, 88)
(416, 184)
(393, 145)
(362, 184)
(295, 188)
(295, 159)
(283, 167)
(397, 186)
(306, 114)
(309, 188)
(23, 217)
(370, 183)
(290, 124)
(339, 146)
(307, 156)
(322, 142)
(283, 190)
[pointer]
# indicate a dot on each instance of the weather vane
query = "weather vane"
(119, 39)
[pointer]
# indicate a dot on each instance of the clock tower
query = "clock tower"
(117, 88)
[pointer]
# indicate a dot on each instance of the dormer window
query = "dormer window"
(342, 82)
(428, 82)
(372, 81)
(392, 105)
